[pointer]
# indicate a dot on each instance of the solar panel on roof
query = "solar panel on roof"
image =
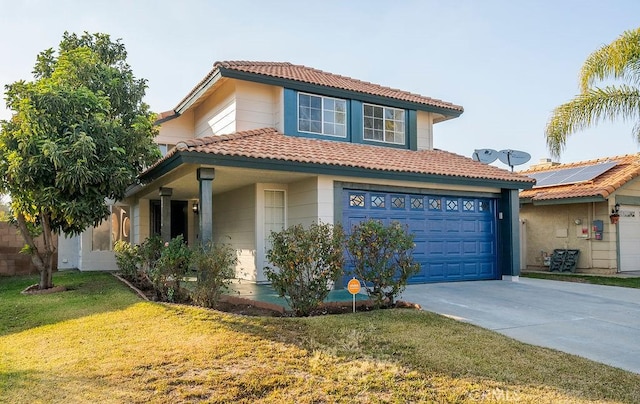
(570, 175)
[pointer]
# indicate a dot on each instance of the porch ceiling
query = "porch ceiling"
(184, 183)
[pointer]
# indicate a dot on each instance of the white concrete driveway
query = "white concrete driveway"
(601, 323)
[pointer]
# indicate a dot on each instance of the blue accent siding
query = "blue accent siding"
(455, 236)
(290, 111)
(509, 230)
(412, 129)
(356, 121)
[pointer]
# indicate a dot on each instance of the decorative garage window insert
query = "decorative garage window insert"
(435, 204)
(322, 115)
(452, 205)
(397, 202)
(356, 200)
(468, 206)
(483, 206)
(417, 203)
(383, 124)
(378, 201)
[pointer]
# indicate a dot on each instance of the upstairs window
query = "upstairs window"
(383, 124)
(322, 115)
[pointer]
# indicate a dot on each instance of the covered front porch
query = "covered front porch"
(233, 205)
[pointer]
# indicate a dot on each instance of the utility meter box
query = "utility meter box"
(598, 228)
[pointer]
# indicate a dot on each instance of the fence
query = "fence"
(12, 262)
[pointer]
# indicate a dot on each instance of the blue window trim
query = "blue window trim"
(355, 123)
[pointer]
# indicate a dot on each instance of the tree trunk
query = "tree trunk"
(41, 259)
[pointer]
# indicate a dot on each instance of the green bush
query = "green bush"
(127, 259)
(307, 261)
(381, 257)
(149, 253)
(215, 267)
(169, 270)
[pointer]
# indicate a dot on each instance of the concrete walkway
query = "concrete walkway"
(601, 323)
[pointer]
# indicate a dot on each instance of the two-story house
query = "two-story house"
(260, 146)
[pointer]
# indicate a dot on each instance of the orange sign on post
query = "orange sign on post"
(354, 287)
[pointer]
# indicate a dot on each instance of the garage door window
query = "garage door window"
(468, 206)
(397, 201)
(435, 204)
(356, 200)
(417, 203)
(378, 201)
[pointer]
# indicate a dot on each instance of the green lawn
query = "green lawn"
(99, 343)
(593, 279)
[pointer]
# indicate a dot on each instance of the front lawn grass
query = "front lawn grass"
(141, 352)
(592, 279)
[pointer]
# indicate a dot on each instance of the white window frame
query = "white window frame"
(322, 117)
(384, 126)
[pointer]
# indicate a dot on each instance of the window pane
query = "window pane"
(368, 110)
(377, 112)
(304, 100)
(315, 115)
(341, 106)
(329, 104)
(315, 127)
(316, 102)
(341, 130)
(341, 117)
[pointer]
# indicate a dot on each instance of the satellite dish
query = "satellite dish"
(486, 156)
(513, 157)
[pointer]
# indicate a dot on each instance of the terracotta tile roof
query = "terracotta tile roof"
(628, 168)
(269, 144)
(303, 74)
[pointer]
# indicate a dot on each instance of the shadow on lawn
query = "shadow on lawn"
(86, 294)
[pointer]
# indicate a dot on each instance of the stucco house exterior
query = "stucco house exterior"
(575, 205)
(260, 146)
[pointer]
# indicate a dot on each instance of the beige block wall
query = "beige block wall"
(234, 215)
(550, 227)
(12, 262)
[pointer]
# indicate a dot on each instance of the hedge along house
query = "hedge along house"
(574, 206)
(258, 146)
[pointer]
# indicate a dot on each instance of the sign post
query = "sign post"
(354, 288)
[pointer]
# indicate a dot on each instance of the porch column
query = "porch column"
(165, 213)
(205, 178)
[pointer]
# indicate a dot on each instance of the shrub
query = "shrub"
(169, 270)
(149, 252)
(127, 259)
(215, 267)
(307, 261)
(381, 257)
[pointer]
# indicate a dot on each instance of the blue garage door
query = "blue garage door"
(455, 237)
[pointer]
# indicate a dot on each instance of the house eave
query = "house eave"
(185, 157)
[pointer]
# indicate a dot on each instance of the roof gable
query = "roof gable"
(603, 185)
(268, 145)
(284, 73)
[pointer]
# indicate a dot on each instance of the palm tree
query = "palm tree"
(619, 60)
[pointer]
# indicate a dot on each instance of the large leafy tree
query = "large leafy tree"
(78, 136)
(616, 64)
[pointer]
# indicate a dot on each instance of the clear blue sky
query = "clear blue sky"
(508, 63)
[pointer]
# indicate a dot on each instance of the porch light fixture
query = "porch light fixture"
(195, 208)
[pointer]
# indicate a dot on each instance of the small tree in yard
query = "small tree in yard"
(79, 135)
(215, 266)
(307, 261)
(381, 257)
(169, 269)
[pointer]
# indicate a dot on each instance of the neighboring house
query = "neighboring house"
(259, 146)
(572, 206)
